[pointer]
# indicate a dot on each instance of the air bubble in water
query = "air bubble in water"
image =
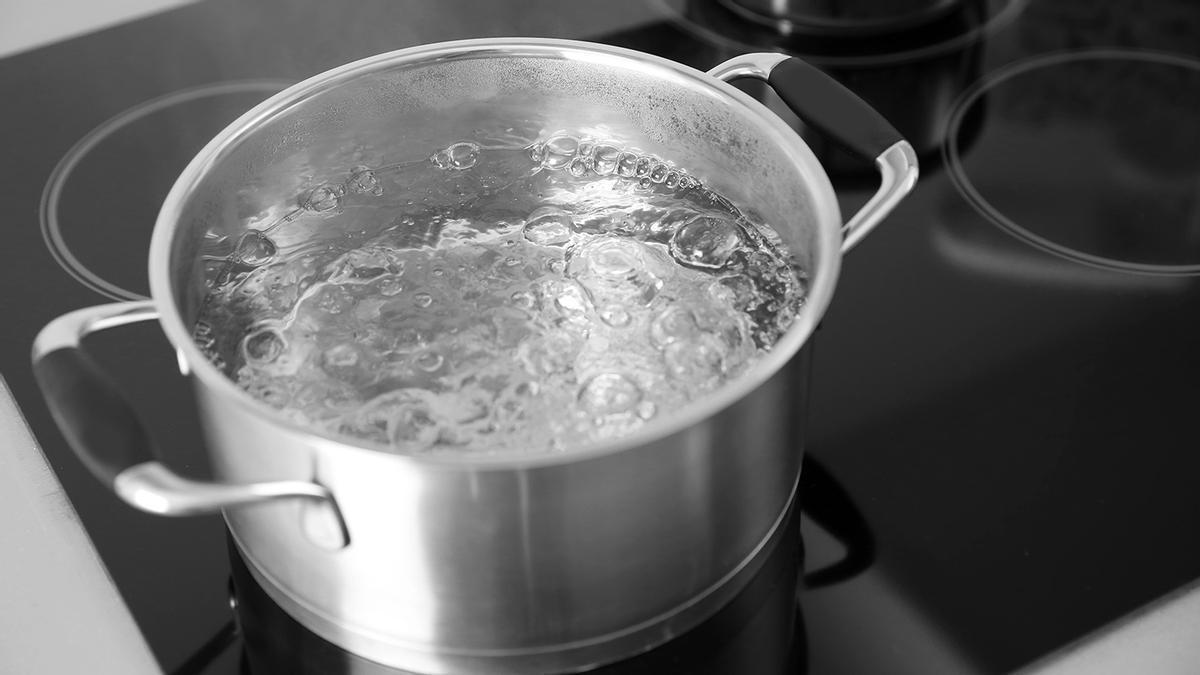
(615, 316)
(430, 361)
(658, 174)
(262, 346)
(646, 409)
(523, 299)
(579, 167)
(570, 300)
(324, 199)
(255, 249)
(693, 360)
(605, 160)
(548, 227)
(609, 394)
(560, 151)
(613, 269)
(390, 285)
(672, 324)
(705, 242)
(463, 155)
(627, 164)
(457, 157)
(642, 168)
(363, 181)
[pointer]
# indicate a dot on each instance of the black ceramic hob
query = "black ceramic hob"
(1001, 445)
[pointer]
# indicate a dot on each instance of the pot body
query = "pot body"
(536, 569)
(508, 564)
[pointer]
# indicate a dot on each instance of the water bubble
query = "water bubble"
(390, 285)
(705, 243)
(614, 270)
(609, 394)
(658, 174)
(645, 184)
(605, 159)
(262, 346)
(254, 249)
(523, 299)
(646, 409)
(579, 167)
(364, 181)
(615, 316)
(693, 360)
(643, 166)
(537, 153)
(548, 226)
(457, 157)
(627, 164)
(324, 199)
(672, 324)
(560, 151)
(422, 299)
(463, 155)
(430, 361)
(672, 180)
(570, 299)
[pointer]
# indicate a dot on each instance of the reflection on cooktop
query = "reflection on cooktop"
(99, 204)
(1092, 155)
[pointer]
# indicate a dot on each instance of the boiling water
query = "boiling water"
(499, 299)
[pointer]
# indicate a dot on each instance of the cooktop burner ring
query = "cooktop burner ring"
(1000, 13)
(974, 190)
(49, 215)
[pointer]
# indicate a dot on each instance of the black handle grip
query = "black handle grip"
(92, 413)
(828, 504)
(832, 109)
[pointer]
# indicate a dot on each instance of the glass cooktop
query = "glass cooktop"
(1000, 456)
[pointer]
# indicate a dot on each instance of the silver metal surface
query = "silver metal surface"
(62, 611)
(897, 165)
(69, 329)
(898, 174)
(151, 486)
(505, 563)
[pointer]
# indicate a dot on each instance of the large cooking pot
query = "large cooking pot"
(496, 564)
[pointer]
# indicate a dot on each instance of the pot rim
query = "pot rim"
(821, 284)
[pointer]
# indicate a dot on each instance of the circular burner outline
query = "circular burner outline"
(1002, 18)
(48, 209)
(958, 175)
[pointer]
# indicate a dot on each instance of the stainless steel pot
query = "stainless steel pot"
(498, 564)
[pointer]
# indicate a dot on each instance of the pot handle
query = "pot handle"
(841, 115)
(105, 432)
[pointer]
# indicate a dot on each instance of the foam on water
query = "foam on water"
(500, 299)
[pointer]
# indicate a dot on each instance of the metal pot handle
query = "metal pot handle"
(105, 432)
(841, 115)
